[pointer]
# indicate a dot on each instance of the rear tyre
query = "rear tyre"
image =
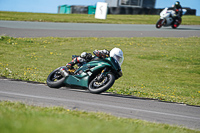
(99, 86)
(174, 26)
(176, 23)
(159, 23)
(55, 79)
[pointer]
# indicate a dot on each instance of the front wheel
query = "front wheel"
(55, 79)
(159, 23)
(98, 86)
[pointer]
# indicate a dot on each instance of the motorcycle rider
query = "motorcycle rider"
(86, 57)
(178, 12)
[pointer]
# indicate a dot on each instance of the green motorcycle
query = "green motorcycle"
(97, 75)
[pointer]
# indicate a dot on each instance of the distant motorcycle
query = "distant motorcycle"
(97, 75)
(167, 20)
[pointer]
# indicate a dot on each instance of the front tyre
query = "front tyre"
(55, 79)
(98, 86)
(159, 23)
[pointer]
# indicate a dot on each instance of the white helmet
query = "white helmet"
(117, 54)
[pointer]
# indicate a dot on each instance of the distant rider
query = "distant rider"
(178, 12)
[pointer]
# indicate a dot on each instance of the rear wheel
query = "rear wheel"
(100, 85)
(55, 79)
(159, 23)
(176, 23)
(174, 26)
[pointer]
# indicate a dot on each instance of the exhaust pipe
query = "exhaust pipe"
(63, 72)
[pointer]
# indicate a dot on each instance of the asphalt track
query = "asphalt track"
(123, 106)
(49, 29)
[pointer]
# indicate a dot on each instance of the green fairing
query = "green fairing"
(78, 80)
(89, 68)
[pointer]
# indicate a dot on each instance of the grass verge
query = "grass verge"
(21, 118)
(86, 18)
(167, 69)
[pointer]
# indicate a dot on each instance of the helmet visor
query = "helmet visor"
(119, 59)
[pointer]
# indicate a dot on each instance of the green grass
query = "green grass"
(21, 118)
(167, 69)
(86, 18)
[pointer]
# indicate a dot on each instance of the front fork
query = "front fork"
(100, 77)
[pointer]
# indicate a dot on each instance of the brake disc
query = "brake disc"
(98, 84)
